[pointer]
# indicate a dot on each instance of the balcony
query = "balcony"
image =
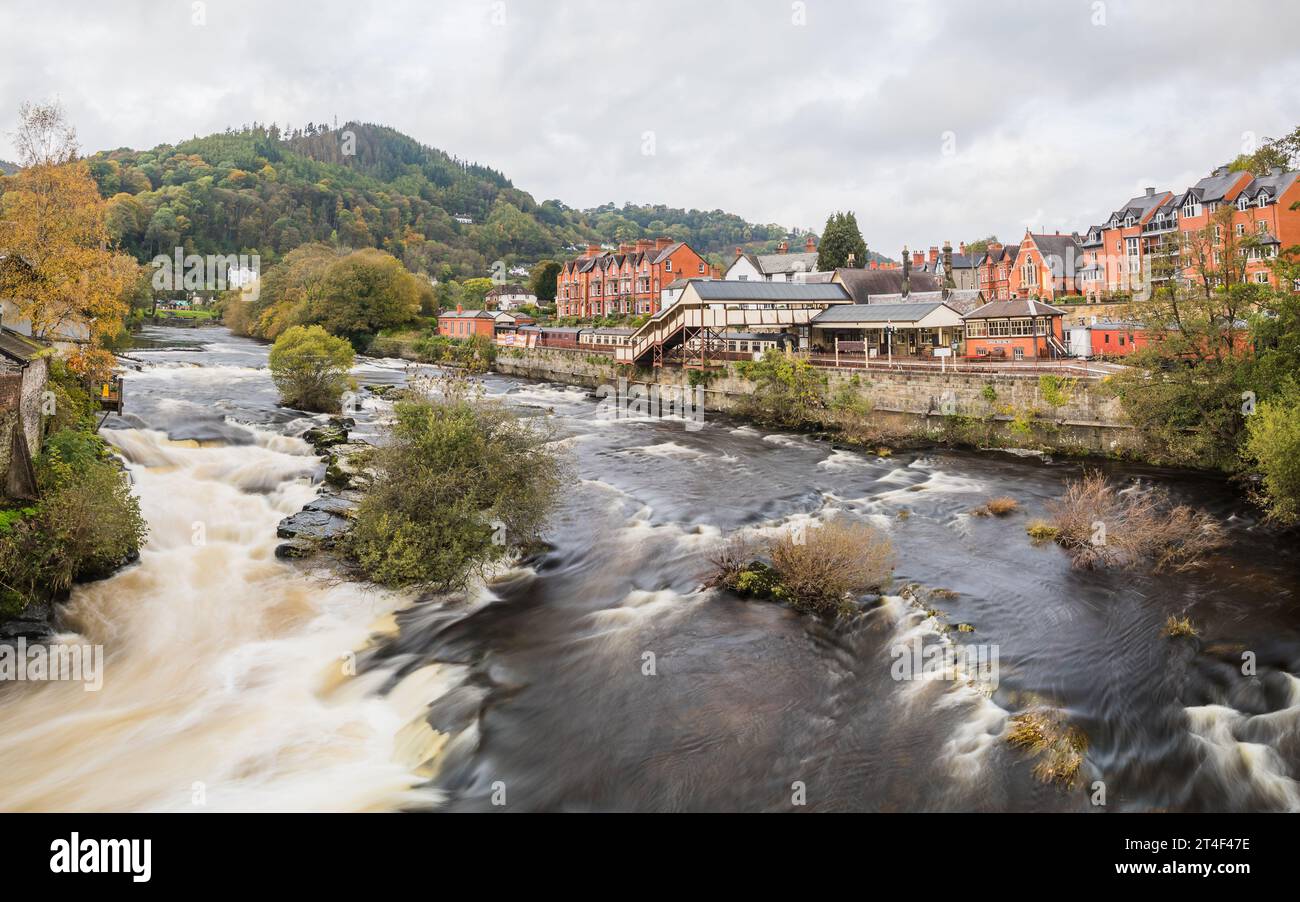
(1159, 225)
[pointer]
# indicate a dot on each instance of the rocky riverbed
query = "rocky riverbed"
(322, 521)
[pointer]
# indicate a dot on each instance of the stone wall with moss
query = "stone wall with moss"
(1007, 409)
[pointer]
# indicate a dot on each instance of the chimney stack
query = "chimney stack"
(783, 247)
(949, 283)
(739, 252)
(644, 244)
(810, 246)
(460, 308)
(961, 248)
(1151, 192)
(662, 242)
(907, 272)
(592, 250)
(918, 259)
(934, 255)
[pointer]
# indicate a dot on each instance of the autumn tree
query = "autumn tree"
(58, 267)
(364, 292)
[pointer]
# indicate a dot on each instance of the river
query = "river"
(602, 677)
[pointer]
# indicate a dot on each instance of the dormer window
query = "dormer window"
(1243, 202)
(1263, 198)
(1128, 221)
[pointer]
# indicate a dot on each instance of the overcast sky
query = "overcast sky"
(932, 120)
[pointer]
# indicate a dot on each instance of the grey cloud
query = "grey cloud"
(1056, 120)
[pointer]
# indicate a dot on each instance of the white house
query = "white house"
(782, 266)
(508, 297)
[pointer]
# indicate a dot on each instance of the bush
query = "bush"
(1041, 532)
(310, 368)
(1273, 446)
(819, 574)
(86, 524)
(997, 507)
(460, 482)
(789, 391)
(1059, 747)
(1101, 527)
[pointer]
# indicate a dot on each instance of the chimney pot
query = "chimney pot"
(739, 252)
(810, 246)
(961, 248)
(460, 308)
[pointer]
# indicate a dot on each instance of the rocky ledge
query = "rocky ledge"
(325, 519)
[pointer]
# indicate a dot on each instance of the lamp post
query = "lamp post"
(889, 341)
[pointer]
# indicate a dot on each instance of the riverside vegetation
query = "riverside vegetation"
(85, 522)
(462, 482)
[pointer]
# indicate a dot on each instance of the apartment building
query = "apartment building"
(624, 282)
(1159, 234)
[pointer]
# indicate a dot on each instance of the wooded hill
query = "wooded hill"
(256, 190)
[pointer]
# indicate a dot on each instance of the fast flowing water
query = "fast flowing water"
(602, 676)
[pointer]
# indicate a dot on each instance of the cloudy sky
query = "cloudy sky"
(932, 120)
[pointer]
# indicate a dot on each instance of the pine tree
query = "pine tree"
(841, 240)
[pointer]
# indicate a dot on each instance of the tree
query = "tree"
(364, 292)
(1273, 446)
(310, 368)
(58, 267)
(543, 280)
(460, 481)
(841, 240)
(975, 248)
(44, 136)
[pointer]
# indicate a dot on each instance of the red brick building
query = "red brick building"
(1020, 329)
(1045, 266)
(626, 281)
(1148, 236)
(993, 270)
(461, 323)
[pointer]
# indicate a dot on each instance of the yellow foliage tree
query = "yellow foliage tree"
(58, 268)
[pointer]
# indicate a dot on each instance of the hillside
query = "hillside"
(7, 168)
(259, 191)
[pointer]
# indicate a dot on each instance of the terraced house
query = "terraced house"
(1161, 234)
(626, 281)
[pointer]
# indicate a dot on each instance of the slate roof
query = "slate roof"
(863, 283)
(769, 264)
(1059, 246)
(722, 290)
(1273, 184)
(1213, 187)
(467, 314)
(19, 348)
(875, 313)
(1017, 307)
